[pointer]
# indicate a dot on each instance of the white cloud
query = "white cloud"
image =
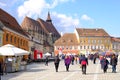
(65, 23)
(87, 18)
(36, 7)
(55, 3)
(2, 4)
(31, 7)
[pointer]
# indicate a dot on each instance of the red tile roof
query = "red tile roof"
(10, 22)
(67, 39)
(115, 39)
(92, 32)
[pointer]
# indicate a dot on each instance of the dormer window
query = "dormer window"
(70, 40)
(63, 40)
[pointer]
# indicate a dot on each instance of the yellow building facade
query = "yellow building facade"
(95, 43)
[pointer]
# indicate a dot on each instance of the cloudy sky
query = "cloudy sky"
(67, 15)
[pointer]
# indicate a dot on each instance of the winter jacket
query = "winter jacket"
(113, 61)
(104, 63)
(83, 58)
(67, 60)
(57, 60)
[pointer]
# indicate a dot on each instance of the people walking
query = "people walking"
(56, 62)
(84, 62)
(104, 64)
(46, 61)
(72, 59)
(76, 59)
(94, 59)
(0, 69)
(5, 64)
(113, 62)
(67, 62)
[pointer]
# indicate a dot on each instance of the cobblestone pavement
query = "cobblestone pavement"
(38, 71)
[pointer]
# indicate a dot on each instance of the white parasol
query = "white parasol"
(10, 50)
(47, 54)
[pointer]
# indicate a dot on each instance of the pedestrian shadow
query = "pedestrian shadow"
(101, 73)
(71, 71)
(35, 70)
(94, 73)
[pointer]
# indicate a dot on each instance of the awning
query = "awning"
(10, 50)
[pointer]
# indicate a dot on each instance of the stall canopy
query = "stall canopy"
(10, 50)
(47, 54)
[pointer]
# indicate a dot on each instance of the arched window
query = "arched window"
(15, 40)
(26, 43)
(21, 42)
(18, 42)
(7, 37)
(11, 39)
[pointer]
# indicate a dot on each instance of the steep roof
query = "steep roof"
(10, 22)
(67, 39)
(31, 24)
(49, 28)
(92, 32)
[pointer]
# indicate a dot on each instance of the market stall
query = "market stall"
(13, 57)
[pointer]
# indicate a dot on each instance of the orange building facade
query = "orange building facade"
(9, 37)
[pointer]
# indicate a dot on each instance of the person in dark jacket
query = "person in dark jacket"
(46, 61)
(72, 59)
(0, 70)
(94, 59)
(113, 62)
(56, 62)
(84, 62)
(104, 64)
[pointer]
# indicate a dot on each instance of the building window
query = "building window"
(11, 39)
(88, 47)
(80, 47)
(75, 47)
(24, 43)
(18, 42)
(70, 47)
(62, 47)
(21, 42)
(66, 47)
(91, 47)
(0, 40)
(80, 41)
(15, 40)
(94, 41)
(88, 41)
(84, 47)
(7, 37)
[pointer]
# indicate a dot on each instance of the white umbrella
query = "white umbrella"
(10, 50)
(68, 54)
(47, 54)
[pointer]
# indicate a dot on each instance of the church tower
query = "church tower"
(49, 18)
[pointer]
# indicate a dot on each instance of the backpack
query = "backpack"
(83, 62)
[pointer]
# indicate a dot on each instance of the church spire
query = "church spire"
(48, 18)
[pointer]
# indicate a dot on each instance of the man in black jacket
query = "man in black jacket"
(113, 62)
(56, 62)
(1, 72)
